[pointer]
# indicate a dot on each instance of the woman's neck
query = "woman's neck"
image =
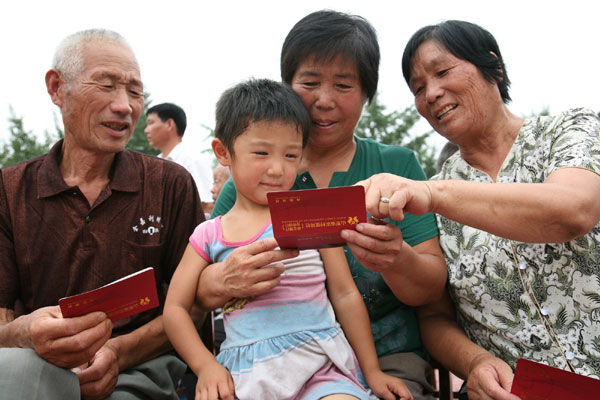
(489, 149)
(321, 162)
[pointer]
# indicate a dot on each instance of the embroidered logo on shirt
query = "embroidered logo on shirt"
(150, 225)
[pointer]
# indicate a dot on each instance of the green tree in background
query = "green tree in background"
(22, 144)
(394, 129)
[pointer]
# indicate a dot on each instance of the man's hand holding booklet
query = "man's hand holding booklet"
(127, 296)
(314, 218)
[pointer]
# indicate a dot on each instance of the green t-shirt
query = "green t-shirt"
(394, 324)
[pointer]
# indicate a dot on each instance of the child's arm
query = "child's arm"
(352, 315)
(182, 332)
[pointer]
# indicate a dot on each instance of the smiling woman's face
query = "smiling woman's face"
(451, 93)
(332, 92)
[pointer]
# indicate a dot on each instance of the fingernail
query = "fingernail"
(359, 227)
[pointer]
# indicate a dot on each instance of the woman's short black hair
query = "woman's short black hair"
(327, 34)
(466, 41)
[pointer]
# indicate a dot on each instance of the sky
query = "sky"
(191, 51)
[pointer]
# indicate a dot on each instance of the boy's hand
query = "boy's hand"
(214, 383)
(388, 387)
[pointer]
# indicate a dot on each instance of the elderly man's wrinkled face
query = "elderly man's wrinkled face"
(102, 104)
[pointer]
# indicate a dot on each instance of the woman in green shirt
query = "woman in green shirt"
(331, 60)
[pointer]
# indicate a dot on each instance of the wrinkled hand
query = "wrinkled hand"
(65, 342)
(376, 244)
(98, 378)
(214, 383)
(388, 387)
(253, 269)
(490, 378)
(406, 196)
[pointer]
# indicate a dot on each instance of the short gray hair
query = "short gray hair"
(68, 55)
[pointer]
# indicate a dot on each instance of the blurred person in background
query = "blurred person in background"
(165, 125)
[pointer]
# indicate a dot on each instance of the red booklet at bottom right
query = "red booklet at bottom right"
(535, 381)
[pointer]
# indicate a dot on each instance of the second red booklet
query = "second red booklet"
(535, 381)
(119, 299)
(314, 218)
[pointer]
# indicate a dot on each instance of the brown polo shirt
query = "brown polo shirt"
(53, 244)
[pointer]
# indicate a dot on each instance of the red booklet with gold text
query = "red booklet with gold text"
(119, 299)
(535, 381)
(314, 218)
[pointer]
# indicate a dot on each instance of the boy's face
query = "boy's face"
(266, 159)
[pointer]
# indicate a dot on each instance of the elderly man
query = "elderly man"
(79, 217)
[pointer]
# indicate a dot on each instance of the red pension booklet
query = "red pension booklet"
(535, 381)
(314, 218)
(119, 299)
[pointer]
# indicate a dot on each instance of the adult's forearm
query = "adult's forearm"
(419, 276)
(550, 212)
(145, 343)
(8, 330)
(449, 345)
(210, 294)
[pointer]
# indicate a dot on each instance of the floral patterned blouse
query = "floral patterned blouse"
(487, 273)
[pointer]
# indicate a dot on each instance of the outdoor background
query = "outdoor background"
(190, 51)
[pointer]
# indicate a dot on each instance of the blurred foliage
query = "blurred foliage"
(544, 112)
(395, 128)
(23, 144)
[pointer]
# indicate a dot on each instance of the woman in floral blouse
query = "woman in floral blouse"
(518, 212)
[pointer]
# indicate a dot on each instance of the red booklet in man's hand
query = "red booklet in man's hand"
(119, 299)
(536, 381)
(314, 218)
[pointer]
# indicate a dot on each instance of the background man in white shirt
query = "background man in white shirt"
(165, 126)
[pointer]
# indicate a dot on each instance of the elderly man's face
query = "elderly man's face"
(101, 106)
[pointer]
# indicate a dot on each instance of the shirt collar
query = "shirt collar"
(174, 153)
(124, 173)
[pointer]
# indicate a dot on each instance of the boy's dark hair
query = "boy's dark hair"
(466, 41)
(257, 100)
(327, 34)
(166, 111)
